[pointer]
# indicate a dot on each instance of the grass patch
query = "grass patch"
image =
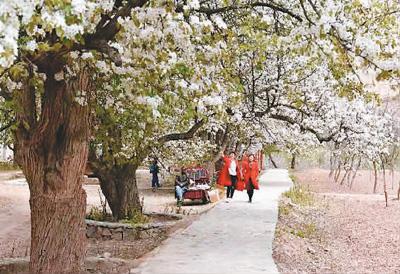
(284, 209)
(97, 213)
(8, 166)
(137, 217)
(300, 196)
(307, 230)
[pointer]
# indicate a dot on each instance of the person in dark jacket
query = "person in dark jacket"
(154, 170)
(181, 186)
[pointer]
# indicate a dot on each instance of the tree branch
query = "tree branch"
(5, 127)
(305, 12)
(106, 31)
(320, 138)
(271, 5)
(182, 136)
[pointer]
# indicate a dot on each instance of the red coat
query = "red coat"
(240, 185)
(223, 178)
(250, 171)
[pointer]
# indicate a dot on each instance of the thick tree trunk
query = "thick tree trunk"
(52, 151)
(118, 184)
(58, 233)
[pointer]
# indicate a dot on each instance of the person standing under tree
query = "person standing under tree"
(250, 174)
(229, 175)
(154, 170)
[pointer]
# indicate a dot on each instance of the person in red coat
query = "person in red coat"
(250, 175)
(229, 174)
(240, 185)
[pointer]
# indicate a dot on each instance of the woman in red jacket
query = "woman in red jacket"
(229, 174)
(250, 174)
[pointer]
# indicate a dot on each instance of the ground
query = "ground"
(15, 216)
(342, 231)
(234, 237)
(335, 229)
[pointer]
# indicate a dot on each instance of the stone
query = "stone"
(117, 236)
(106, 233)
(91, 231)
(106, 255)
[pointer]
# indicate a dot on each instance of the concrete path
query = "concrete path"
(232, 238)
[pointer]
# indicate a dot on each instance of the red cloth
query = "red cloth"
(224, 179)
(240, 185)
(250, 171)
(194, 194)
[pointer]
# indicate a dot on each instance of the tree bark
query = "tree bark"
(384, 185)
(293, 161)
(398, 192)
(355, 172)
(52, 152)
(118, 184)
(375, 177)
(272, 160)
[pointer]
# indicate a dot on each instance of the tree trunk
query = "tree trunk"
(355, 173)
(384, 185)
(337, 173)
(52, 152)
(375, 177)
(118, 184)
(293, 161)
(344, 176)
(398, 192)
(272, 160)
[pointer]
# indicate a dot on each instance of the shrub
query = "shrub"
(300, 196)
(308, 230)
(7, 166)
(137, 217)
(97, 213)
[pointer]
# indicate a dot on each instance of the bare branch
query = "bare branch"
(182, 136)
(320, 138)
(270, 4)
(5, 127)
(305, 12)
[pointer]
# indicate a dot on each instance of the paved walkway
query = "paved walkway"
(232, 238)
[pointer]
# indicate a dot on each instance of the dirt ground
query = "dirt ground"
(343, 231)
(318, 180)
(15, 217)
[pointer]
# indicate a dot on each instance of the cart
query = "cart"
(201, 178)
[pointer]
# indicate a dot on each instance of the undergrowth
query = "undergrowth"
(300, 198)
(97, 213)
(298, 194)
(8, 166)
(307, 230)
(136, 217)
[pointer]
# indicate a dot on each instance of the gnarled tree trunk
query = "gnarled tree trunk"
(118, 184)
(52, 150)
